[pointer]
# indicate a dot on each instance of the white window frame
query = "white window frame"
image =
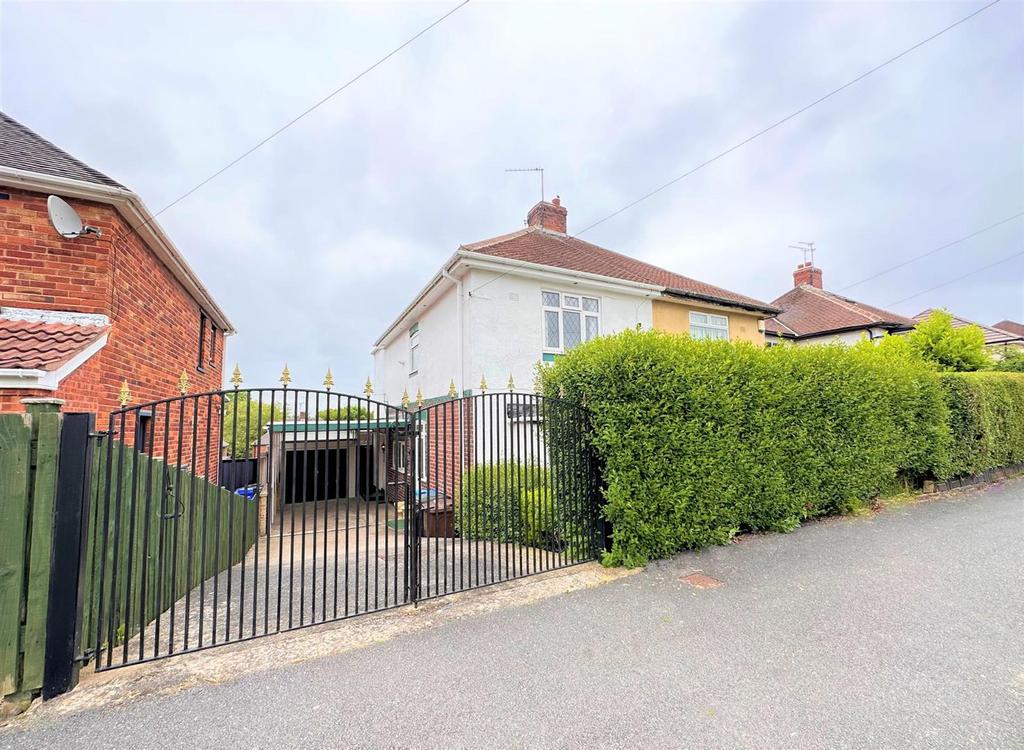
(401, 459)
(414, 346)
(713, 322)
(561, 309)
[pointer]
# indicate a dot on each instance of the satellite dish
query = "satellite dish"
(66, 220)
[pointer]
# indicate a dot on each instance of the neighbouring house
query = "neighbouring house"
(997, 340)
(812, 315)
(499, 306)
(1017, 329)
(78, 317)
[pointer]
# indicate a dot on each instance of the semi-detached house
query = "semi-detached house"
(499, 306)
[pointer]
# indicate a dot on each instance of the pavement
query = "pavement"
(903, 629)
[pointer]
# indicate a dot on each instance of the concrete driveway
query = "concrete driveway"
(905, 629)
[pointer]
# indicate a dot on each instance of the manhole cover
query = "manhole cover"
(701, 581)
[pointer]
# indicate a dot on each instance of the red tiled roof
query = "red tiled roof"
(43, 346)
(992, 335)
(1010, 327)
(809, 311)
(537, 245)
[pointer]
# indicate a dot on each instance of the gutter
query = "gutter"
(766, 309)
(131, 207)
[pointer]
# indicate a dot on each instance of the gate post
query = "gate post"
(67, 557)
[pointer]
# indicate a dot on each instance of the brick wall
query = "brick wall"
(155, 322)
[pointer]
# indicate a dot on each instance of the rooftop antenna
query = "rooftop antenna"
(66, 220)
(807, 248)
(532, 169)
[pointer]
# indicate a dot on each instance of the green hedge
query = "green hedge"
(489, 505)
(702, 439)
(986, 420)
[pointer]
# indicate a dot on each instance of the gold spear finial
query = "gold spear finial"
(405, 399)
(236, 377)
(483, 383)
(452, 393)
(124, 395)
(511, 383)
(328, 380)
(286, 376)
(368, 388)
(183, 383)
(419, 399)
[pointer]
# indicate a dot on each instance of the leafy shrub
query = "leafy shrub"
(948, 348)
(986, 420)
(489, 505)
(702, 439)
(1013, 361)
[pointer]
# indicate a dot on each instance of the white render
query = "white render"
(501, 325)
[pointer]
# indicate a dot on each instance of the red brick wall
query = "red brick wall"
(155, 322)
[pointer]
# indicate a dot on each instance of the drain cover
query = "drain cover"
(701, 581)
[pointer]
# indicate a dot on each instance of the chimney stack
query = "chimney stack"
(550, 216)
(807, 273)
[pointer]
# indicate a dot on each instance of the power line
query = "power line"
(788, 117)
(958, 278)
(744, 142)
(931, 252)
(303, 114)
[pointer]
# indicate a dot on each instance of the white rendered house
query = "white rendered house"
(499, 306)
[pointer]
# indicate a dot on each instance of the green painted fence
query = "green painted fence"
(28, 476)
(157, 516)
(163, 531)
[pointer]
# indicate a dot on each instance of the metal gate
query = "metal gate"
(356, 506)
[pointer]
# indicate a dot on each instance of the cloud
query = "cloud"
(315, 242)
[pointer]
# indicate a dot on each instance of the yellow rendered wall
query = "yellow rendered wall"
(674, 317)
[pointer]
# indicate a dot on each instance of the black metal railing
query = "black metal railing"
(353, 506)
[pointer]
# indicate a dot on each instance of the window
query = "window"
(400, 457)
(202, 340)
(414, 349)
(708, 326)
(213, 345)
(143, 426)
(569, 319)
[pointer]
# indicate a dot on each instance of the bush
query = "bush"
(1013, 361)
(489, 505)
(702, 439)
(986, 420)
(948, 348)
(545, 523)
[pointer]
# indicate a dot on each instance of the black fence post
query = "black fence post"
(67, 558)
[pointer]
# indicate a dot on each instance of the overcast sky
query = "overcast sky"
(314, 243)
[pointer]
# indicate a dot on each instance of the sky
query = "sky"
(315, 243)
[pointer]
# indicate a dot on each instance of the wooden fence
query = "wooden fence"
(141, 491)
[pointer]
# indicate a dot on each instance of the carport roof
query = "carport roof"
(315, 426)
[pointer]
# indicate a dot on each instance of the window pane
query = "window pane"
(591, 326)
(718, 320)
(590, 304)
(571, 301)
(571, 322)
(698, 318)
(413, 351)
(550, 299)
(551, 340)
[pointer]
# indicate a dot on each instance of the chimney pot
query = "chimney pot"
(550, 216)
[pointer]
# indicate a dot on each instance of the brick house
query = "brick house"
(80, 316)
(810, 314)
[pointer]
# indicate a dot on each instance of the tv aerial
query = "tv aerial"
(66, 220)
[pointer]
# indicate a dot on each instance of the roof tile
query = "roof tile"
(536, 245)
(809, 311)
(21, 148)
(43, 346)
